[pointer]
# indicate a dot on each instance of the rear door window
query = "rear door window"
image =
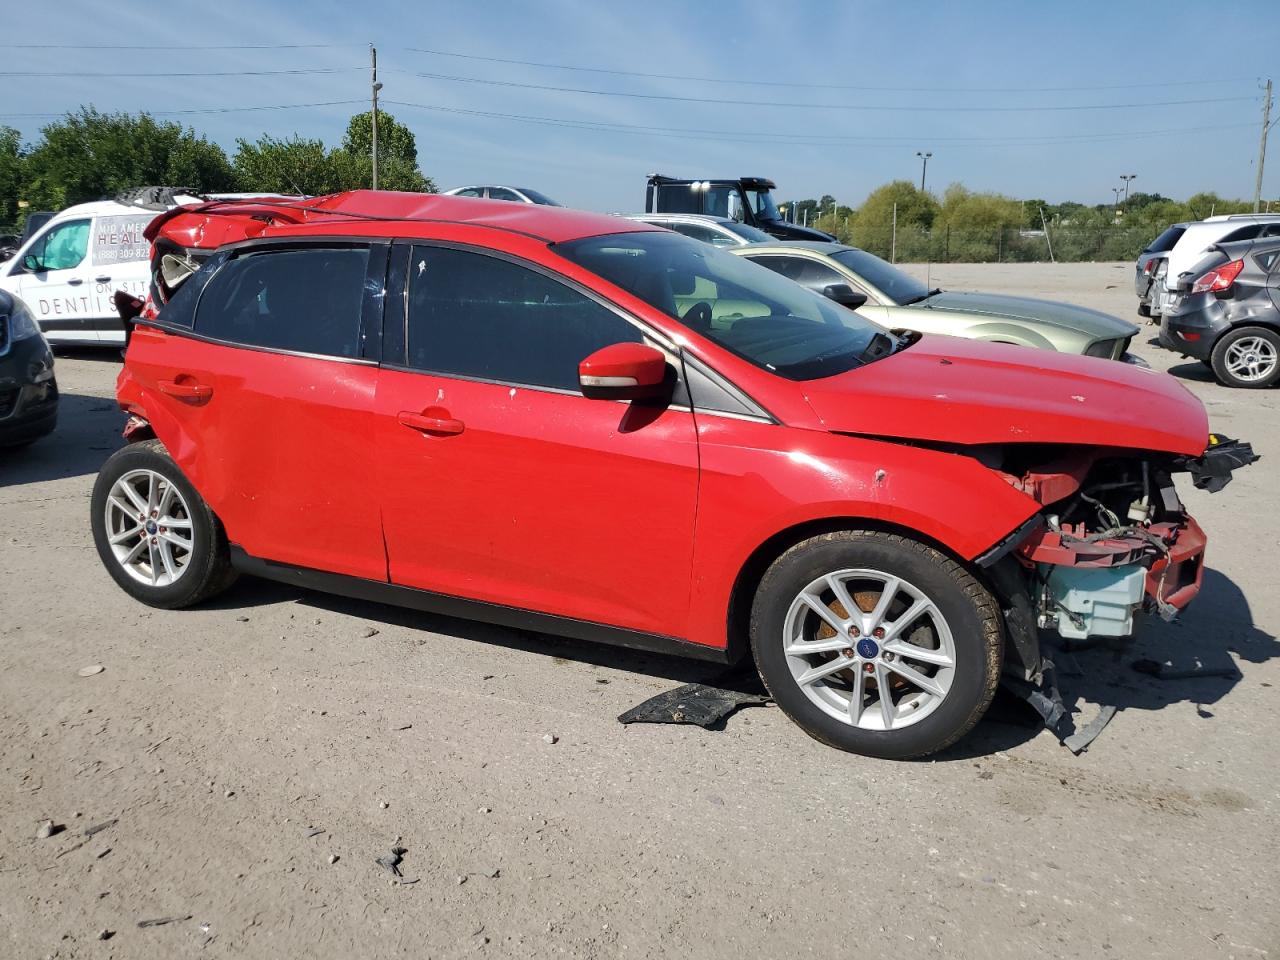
(306, 300)
(808, 273)
(502, 193)
(485, 318)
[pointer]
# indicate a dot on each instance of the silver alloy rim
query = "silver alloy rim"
(1251, 359)
(869, 649)
(149, 528)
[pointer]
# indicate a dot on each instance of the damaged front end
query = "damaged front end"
(1112, 540)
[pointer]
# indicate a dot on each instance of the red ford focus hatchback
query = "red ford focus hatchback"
(586, 426)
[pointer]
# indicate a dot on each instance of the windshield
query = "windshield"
(745, 308)
(762, 203)
(747, 232)
(537, 197)
(899, 287)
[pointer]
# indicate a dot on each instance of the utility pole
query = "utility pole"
(373, 67)
(924, 165)
(1126, 177)
(1267, 124)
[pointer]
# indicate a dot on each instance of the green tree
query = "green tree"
(90, 155)
(289, 166)
(397, 153)
(10, 177)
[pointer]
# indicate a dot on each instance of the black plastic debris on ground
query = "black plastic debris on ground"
(1046, 699)
(696, 703)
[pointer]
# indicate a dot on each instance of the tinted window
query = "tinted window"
(1243, 233)
(1166, 240)
(677, 198)
(899, 287)
(63, 247)
(537, 197)
(700, 231)
(486, 318)
(807, 273)
(307, 300)
(502, 193)
(745, 308)
(471, 192)
(746, 232)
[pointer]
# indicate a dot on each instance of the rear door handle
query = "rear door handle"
(75, 281)
(101, 279)
(429, 424)
(186, 389)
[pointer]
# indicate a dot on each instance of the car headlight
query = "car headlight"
(21, 323)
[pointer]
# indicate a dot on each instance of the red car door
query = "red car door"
(500, 482)
(264, 396)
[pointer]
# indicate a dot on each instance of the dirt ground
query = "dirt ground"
(236, 749)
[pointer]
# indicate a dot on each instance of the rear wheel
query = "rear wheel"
(1144, 309)
(154, 533)
(1247, 357)
(876, 644)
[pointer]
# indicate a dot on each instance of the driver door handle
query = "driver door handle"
(75, 281)
(429, 424)
(101, 279)
(186, 390)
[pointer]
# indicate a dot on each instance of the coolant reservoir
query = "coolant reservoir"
(1101, 601)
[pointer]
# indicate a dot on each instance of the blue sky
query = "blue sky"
(899, 76)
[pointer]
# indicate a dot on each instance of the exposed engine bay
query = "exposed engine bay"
(1112, 540)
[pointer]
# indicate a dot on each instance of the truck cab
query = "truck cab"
(745, 199)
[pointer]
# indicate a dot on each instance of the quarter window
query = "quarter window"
(308, 300)
(485, 318)
(63, 247)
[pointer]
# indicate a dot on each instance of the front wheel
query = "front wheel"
(154, 533)
(877, 644)
(1247, 357)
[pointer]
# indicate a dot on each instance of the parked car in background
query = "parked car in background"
(526, 420)
(71, 266)
(1226, 313)
(895, 299)
(748, 200)
(493, 192)
(1148, 262)
(1198, 237)
(717, 231)
(28, 390)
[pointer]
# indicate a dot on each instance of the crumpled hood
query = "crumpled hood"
(1092, 323)
(948, 390)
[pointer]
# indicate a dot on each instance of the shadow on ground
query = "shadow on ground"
(1216, 626)
(88, 432)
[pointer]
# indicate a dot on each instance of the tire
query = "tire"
(1234, 351)
(1144, 310)
(175, 564)
(955, 644)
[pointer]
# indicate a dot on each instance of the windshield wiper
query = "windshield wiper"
(922, 297)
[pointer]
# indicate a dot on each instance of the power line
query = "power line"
(202, 110)
(170, 46)
(879, 108)
(757, 136)
(116, 74)
(737, 81)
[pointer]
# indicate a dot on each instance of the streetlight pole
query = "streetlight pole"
(373, 66)
(1126, 177)
(1116, 206)
(924, 166)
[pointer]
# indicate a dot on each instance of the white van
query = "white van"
(68, 270)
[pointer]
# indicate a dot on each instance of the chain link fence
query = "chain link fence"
(997, 245)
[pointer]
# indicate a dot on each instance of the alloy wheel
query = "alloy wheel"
(1251, 359)
(149, 528)
(869, 649)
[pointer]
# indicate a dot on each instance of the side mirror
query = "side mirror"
(624, 371)
(32, 262)
(844, 295)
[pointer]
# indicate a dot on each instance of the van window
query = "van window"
(485, 318)
(306, 299)
(64, 246)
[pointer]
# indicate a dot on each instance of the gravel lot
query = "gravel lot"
(220, 739)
